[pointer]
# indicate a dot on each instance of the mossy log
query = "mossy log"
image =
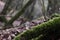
(51, 27)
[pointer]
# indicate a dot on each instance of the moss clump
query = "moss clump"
(55, 15)
(46, 29)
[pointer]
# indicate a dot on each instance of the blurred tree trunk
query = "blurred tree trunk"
(43, 10)
(18, 14)
(30, 16)
(7, 4)
(4, 11)
(52, 7)
(29, 11)
(15, 6)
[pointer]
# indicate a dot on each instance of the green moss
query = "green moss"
(17, 37)
(55, 15)
(46, 28)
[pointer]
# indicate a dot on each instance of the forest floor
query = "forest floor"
(9, 34)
